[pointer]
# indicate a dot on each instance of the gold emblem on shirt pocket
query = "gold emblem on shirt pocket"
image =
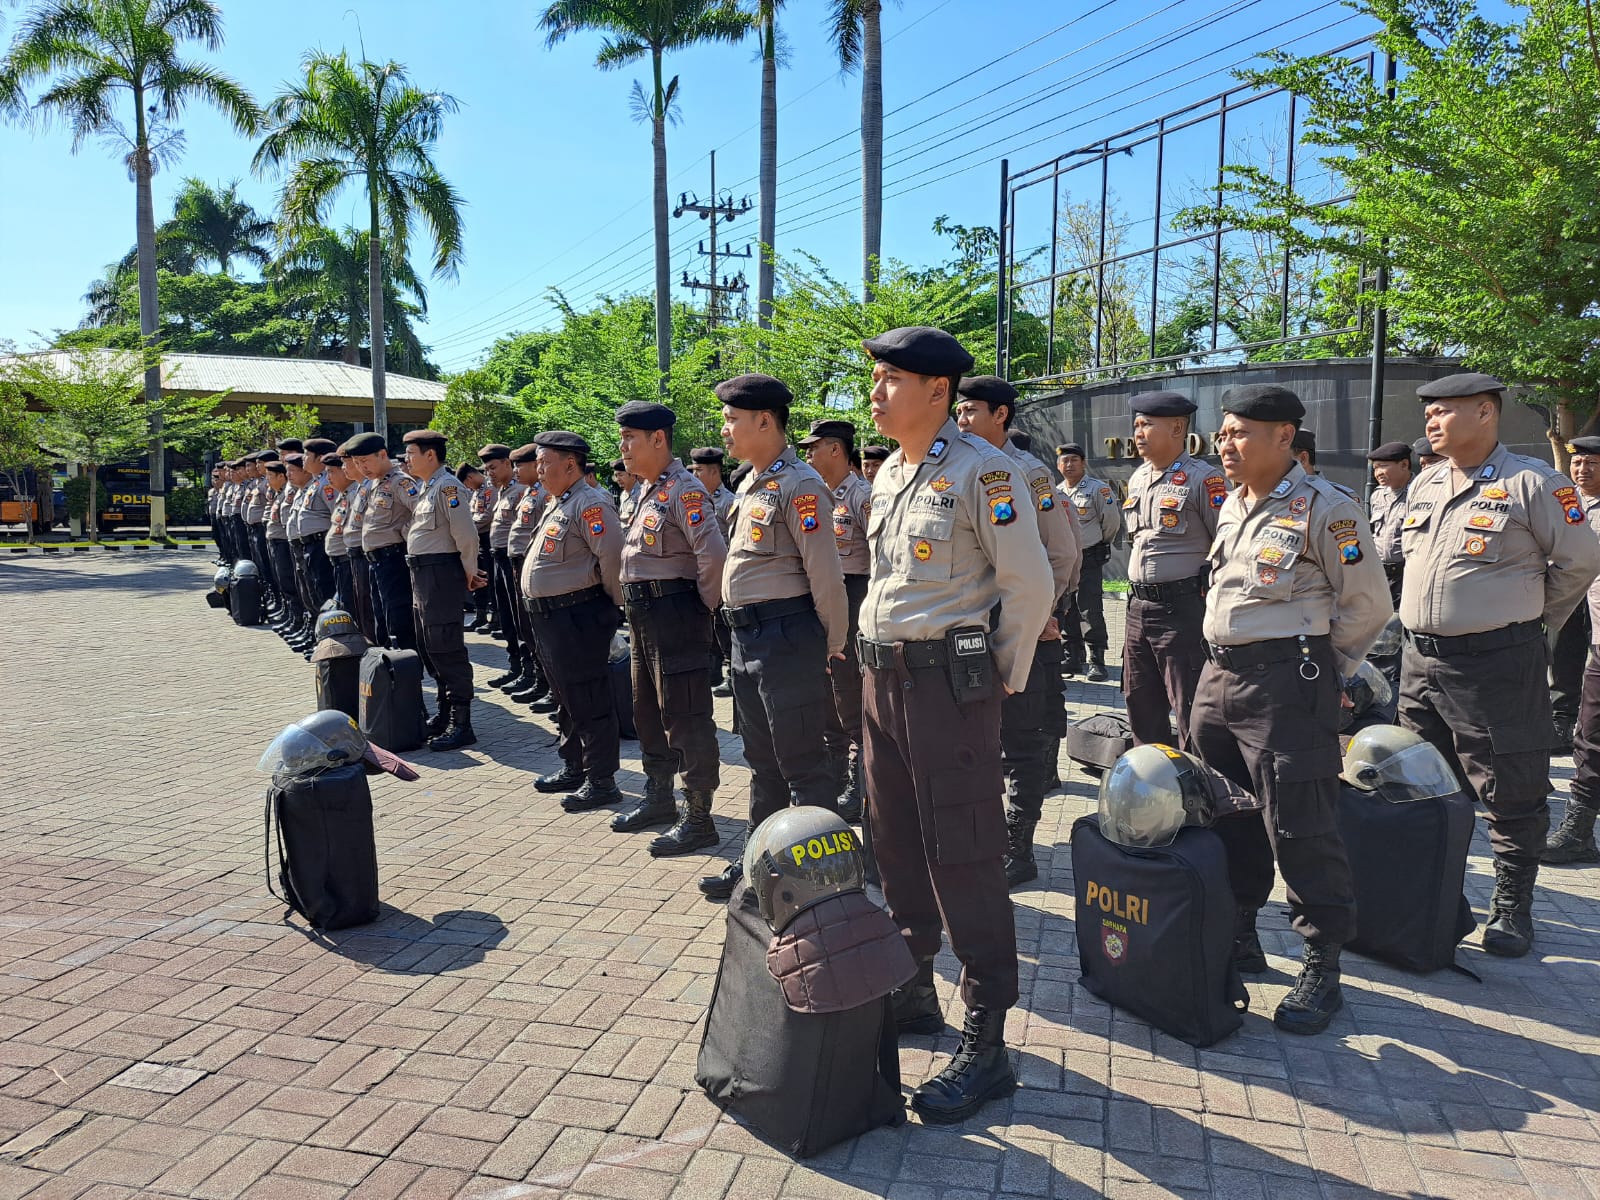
(928, 539)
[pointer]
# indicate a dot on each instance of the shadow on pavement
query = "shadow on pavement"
(403, 944)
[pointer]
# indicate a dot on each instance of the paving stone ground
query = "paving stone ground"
(523, 1021)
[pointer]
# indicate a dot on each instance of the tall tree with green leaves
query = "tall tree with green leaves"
(366, 123)
(93, 56)
(634, 29)
(212, 224)
(326, 272)
(856, 29)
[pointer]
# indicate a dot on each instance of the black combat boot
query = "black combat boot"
(1097, 667)
(656, 807)
(439, 722)
(565, 780)
(1574, 841)
(720, 887)
(1509, 931)
(1020, 867)
(595, 793)
(543, 704)
(723, 690)
(509, 676)
(1248, 955)
(1565, 725)
(849, 805)
(458, 734)
(980, 1072)
(916, 1004)
(695, 830)
(530, 688)
(1315, 997)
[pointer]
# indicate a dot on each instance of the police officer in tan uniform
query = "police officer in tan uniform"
(783, 598)
(954, 533)
(308, 525)
(1093, 504)
(705, 464)
(496, 459)
(828, 447)
(1171, 515)
(1497, 550)
(442, 552)
(1391, 471)
(384, 520)
(476, 480)
(1033, 720)
(673, 553)
(872, 459)
(360, 570)
(533, 689)
(335, 542)
(1297, 597)
(290, 620)
(571, 590)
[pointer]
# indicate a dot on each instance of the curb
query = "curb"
(112, 547)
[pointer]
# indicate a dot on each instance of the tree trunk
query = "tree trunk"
(1563, 430)
(380, 384)
(145, 222)
(769, 164)
(871, 146)
(91, 515)
(658, 143)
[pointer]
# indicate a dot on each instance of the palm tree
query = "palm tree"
(854, 27)
(767, 26)
(367, 122)
(325, 271)
(89, 51)
(633, 29)
(214, 225)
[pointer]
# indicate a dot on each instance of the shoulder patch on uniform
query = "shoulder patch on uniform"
(1002, 511)
(1217, 490)
(411, 489)
(328, 491)
(1338, 527)
(693, 507)
(595, 518)
(936, 451)
(1571, 508)
(995, 477)
(806, 506)
(1105, 493)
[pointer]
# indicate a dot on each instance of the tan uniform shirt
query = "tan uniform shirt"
(254, 510)
(334, 542)
(1094, 504)
(531, 503)
(1172, 517)
(277, 511)
(503, 514)
(313, 508)
(780, 547)
(1388, 514)
(441, 520)
(1507, 543)
(1057, 529)
(950, 538)
(1591, 508)
(629, 503)
(358, 493)
(852, 504)
(483, 506)
(228, 506)
(388, 511)
(723, 501)
(1301, 563)
(673, 534)
(579, 545)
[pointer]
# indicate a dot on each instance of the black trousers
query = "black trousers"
(239, 537)
(1567, 659)
(1489, 715)
(261, 555)
(344, 591)
(1162, 656)
(574, 647)
(283, 569)
(843, 730)
(1032, 723)
(507, 603)
(780, 683)
(1276, 734)
(318, 571)
(438, 588)
(391, 593)
(938, 824)
(670, 637)
(1089, 607)
(361, 589)
(1586, 740)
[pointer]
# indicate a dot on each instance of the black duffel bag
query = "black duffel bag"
(391, 712)
(327, 853)
(244, 600)
(339, 686)
(1096, 742)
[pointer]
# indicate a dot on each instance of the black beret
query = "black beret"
(875, 452)
(234, 464)
(493, 451)
(1304, 439)
(1070, 448)
(332, 459)
(1423, 446)
(295, 459)
(1390, 452)
(277, 468)
(319, 445)
(287, 444)
(466, 468)
(1584, 445)
(425, 436)
(1266, 402)
(1022, 441)
(707, 454)
(991, 389)
(758, 393)
(562, 439)
(842, 430)
(921, 349)
(740, 473)
(525, 454)
(1161, 404)
(1458, 387)
(646, 415)
(266, 456)
(618, 465)
(364, 443)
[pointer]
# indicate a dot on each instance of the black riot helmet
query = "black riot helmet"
(326, 739)
(799, 857)
(1367, 688)
(1150, 793)
(335, 623)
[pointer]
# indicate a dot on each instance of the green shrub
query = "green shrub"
(187, 506)
(77, 490)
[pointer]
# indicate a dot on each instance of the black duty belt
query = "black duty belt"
(746, 615)
(886, 656)
(1166, 593)
(433, 560)
(359, 555)
(306, 541)
(1477, 643)
(378, 552)
(500, 552)
(545, 605)
(653, 589)
(1261, 654)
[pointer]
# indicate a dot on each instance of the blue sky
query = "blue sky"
(557, 174)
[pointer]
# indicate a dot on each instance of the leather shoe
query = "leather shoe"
(720, 887)
(655, 808)
(595, 793)
(916, 1004)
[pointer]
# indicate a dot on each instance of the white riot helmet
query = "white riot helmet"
(1149, 794)
(1397, 765)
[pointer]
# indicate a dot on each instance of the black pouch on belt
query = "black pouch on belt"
(971, 667)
